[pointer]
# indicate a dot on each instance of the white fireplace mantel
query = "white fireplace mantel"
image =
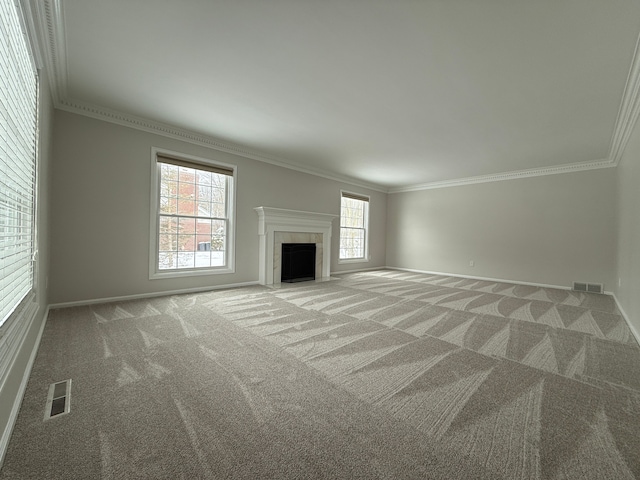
(272, 220)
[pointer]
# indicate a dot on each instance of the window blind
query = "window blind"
(18, 130)
(200, 166)
(355, 196)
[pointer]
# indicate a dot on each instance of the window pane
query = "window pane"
(203, 190)
(168, 225)
(218, 210)
(204, 209)
(192, 218)
(168, 205)
(186, 175)
(203, 226)
(352, 213)
(186, 243)
(352, 243)
(352, 228)
(203, 259)
(167, 260)
(169, 189)
(168, 243)
(203, 243)
(186, 205)
(186, 260)
(169, 173)
(187, 225)
(218, 235)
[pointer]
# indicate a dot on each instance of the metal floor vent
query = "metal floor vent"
(58, 400)
(588, 287)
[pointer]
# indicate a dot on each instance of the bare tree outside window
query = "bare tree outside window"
(192, 217)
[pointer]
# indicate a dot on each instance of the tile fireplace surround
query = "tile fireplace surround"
(277, 226)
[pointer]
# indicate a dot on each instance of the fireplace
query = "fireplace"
(298, 262)
(278, 226)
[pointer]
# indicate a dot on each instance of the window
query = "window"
(354, 224)
(18, 139)
(193, 220)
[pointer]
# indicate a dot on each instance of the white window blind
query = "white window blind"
(18, 130)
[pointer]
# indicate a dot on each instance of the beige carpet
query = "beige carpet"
(376, 375)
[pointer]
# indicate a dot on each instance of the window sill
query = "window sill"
(353, 260)
(190, 273)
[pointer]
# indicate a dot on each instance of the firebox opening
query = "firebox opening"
(298, 262)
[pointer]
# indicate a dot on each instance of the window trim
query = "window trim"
(367, 200)
(154, 272)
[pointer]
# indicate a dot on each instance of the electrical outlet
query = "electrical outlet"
(471, 263)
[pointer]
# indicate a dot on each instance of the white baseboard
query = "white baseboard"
(15, 408)
(622, 312)
(488, 279)
(368, 269)
(139, 296)
(626, 319)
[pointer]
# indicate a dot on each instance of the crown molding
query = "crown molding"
(47, 26)
(170, 131)
(497, 177)
(628, 111)
(50, 32)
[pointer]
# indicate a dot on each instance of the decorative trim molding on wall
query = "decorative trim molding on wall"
(169, 131)
(533, 172)
(139, 296)
(52, 40)
(472, 277)
(629, 109)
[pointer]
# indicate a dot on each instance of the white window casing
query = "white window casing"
(354, 228)
(192, 216)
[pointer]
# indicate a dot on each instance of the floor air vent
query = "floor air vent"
(58, 400)
(588, 287)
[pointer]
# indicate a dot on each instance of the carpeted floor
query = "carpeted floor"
(374, 375)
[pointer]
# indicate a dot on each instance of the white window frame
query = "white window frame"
(154, 272)
(366, 256)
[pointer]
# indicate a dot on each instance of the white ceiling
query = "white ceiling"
(392, 93)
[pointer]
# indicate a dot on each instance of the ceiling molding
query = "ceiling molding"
(50, 28)
(629, 109)
(170, 131)
(532, 172)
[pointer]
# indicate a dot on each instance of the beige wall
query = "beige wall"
(628, 235)
(101, 200)
(550, 230)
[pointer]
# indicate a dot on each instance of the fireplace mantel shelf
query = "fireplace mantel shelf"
(272, 220)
